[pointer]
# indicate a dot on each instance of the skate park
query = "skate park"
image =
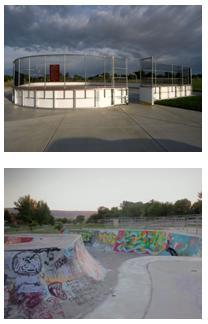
(103, 274)
(92, 103)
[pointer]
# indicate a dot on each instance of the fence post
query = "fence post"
(113, 71)
(29, 75)
(64, 77)
(19, 73)
(182, 74)
(152, 71)
(44, 75)
(126, 66)
(104, 71)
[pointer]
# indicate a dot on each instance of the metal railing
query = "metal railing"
(186, 223)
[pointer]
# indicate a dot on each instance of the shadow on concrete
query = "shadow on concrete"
(124, 145)
(8, 94)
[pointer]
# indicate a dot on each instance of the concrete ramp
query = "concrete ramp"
(44, 274)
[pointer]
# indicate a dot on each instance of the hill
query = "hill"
(65, 213)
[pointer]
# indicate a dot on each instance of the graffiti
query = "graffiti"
(87, 237)
(33, 299)
(60, 262)
(68, 252)
(17, 240)
(56, 290)
(68, 271)
(50, 257)
(186, 245)
(79, 290)
(25, 284)
(141, 242)
(26, 263)
(107, 238)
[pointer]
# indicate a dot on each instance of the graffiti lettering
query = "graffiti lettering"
(60, 262)
(106, 238)
(26, 263)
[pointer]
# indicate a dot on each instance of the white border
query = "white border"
(126, 160)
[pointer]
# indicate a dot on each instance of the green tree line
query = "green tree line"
(31, 212)
(149, 209)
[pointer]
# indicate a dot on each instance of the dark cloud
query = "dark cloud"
(170, 33)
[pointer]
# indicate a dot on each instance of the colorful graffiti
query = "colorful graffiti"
(157, 243)
(87, 237)
(106, 238)
(186, 245)
(141, 242)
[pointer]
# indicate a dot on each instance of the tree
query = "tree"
(115, 212)
(31, 212)
(196, 208)
(25, 207)
(7, 216)
(182, 207)
(43, 214)
(80, 219)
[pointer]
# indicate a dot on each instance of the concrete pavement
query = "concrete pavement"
(155, 287)
(132, 128)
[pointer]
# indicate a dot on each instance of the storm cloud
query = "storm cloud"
(172, 34)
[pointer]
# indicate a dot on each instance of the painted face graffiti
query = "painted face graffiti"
(56, 290)
(26, 263)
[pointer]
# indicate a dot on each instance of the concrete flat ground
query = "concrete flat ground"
(131, 128)
(155, 287)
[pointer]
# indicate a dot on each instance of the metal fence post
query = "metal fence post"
(152, 71)
(44, 75)
(85, 73)
(182, 74)
(126, 66)
(191, 75)
(104, 71)
(29, 75)
(172, 74)
(113, 71)
(155, 74)
(19, 73)
(64, 77)
(13, 74)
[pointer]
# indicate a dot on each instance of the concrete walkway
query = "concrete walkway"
(132, 128)
(155, 287)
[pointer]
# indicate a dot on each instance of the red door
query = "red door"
(54, 72)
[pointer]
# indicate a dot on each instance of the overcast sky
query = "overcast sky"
(170, 33)
(87, 189)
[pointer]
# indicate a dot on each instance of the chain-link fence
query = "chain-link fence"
(155, 73)
(70, 69)
(187, 223)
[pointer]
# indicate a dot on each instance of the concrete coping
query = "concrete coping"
(60, 241)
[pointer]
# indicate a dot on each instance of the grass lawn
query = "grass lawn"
(191, 103)
(197, 84)
(49, 229)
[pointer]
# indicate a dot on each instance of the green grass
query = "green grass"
(197, 84)
(26, 229)
(48, 229)
(8, 84)
(191, 103)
